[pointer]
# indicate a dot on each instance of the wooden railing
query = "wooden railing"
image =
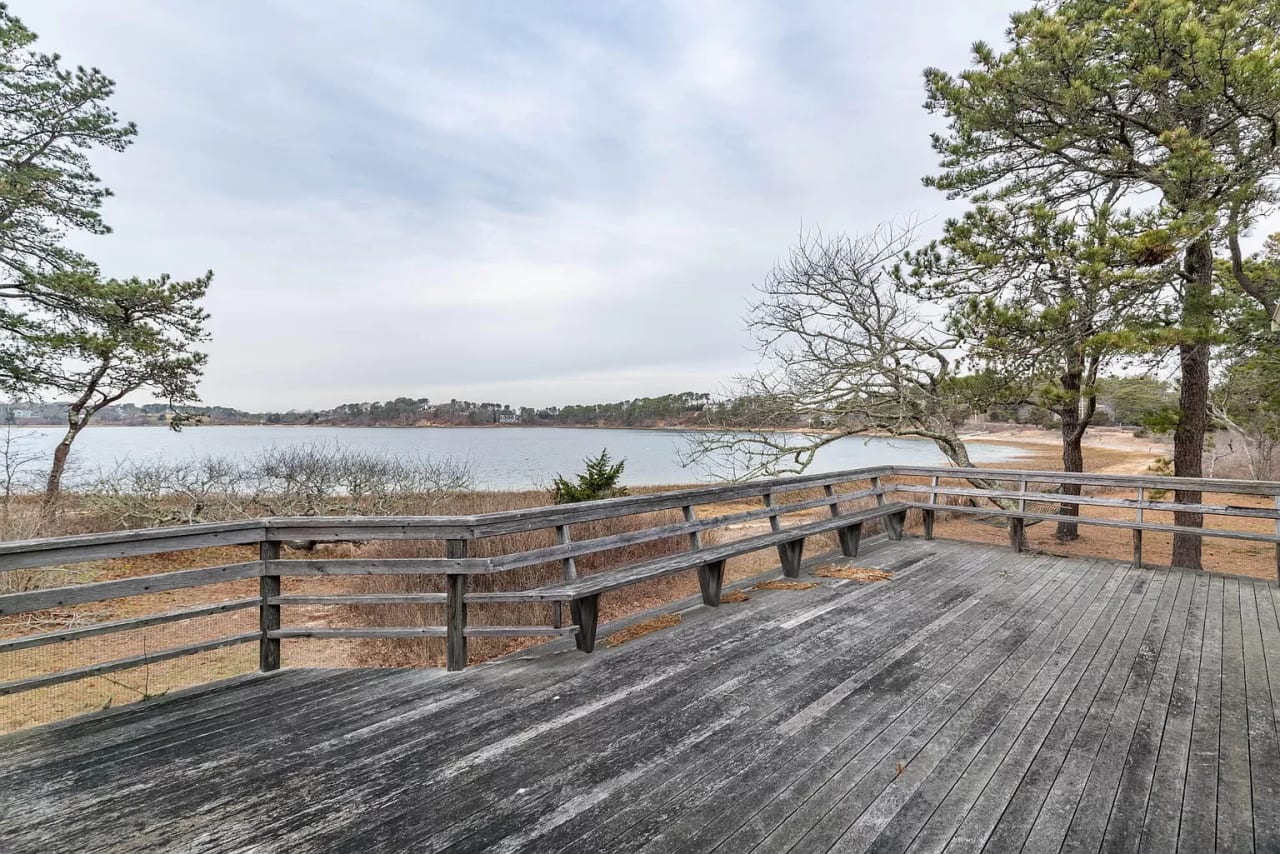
(850, 498)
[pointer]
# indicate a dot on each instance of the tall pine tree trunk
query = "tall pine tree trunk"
(53, 485)
(1072, 461)
(1193, 419)
(1075, 416)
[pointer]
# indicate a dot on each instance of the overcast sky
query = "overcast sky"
(526, 202)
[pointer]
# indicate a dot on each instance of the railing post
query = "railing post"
(774, 524)
(268, 612)
(875, 484)
(1278, 544)
(456, 609)
(927, 514)
(830, 492)
(1137, 532)
(1017, 525)
(848, 536)
(569, 569)
(695, 537)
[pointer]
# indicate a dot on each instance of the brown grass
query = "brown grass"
(431, 650)
(639, 630)
(785, 585)
(852, 573)
(733, 597)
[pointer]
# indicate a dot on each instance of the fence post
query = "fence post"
(848, 536)
(695, 537)
(830, 492)
(927, 515)
(456, 608)
(774, 524)
(569, 569)
(1137, 532)
(268, 612)
(1017, 525)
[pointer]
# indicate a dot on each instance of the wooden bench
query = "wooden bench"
(583, 594)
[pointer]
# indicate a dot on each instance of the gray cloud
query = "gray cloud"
(536, 202)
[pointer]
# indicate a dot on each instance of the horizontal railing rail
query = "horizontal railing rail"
(884, 494)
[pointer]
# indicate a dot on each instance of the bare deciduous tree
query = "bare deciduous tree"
(845, 352)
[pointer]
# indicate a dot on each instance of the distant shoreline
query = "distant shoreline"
(666, 428)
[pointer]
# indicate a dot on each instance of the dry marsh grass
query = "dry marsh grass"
(431, 650)
(639, 630)
(852, 573)
(785, 585)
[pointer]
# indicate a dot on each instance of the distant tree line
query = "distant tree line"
(1125, 401)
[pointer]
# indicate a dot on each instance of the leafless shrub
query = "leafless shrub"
(322, 480)
(305, 480)
(1251, 455)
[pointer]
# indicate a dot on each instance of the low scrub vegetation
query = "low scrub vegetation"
(303, 480)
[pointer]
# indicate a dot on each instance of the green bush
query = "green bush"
(600, 480)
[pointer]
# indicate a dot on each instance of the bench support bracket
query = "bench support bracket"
(586, 615)
(849, 539)
(927, 515)
(789, 554)
(711, 580)
(893, 524)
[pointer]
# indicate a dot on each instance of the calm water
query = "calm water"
(512, 458)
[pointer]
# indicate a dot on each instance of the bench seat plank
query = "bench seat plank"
(615, 579)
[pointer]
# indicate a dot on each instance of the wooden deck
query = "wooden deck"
(978, 700)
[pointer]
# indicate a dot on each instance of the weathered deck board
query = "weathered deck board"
(749, 749)
(1002, 813)
(979, 698)
(951, 788)
(1197, 828)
